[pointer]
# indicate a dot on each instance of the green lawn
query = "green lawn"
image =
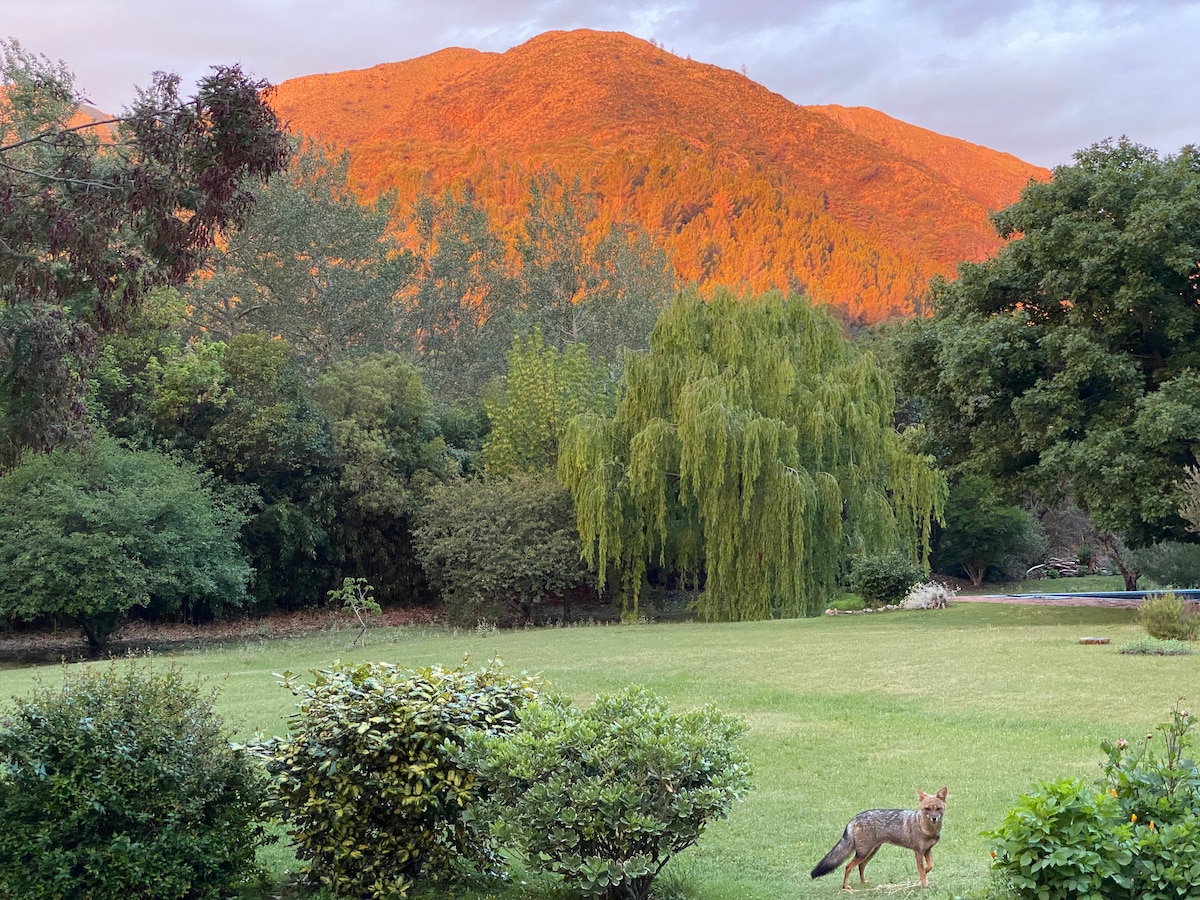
(845, 713)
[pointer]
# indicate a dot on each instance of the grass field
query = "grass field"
(845, 713)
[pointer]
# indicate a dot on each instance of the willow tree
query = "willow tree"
(752, 446)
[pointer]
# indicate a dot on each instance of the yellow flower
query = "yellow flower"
(1114, 792)
(1151, 824)
(1133, 818)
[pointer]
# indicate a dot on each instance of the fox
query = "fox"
(918, 830)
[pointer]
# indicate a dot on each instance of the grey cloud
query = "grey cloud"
(1036, 78)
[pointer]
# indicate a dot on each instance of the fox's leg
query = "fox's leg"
(846, 874)
(928, 860)
(921, 870)
(860, 860)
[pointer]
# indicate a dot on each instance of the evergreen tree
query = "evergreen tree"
(1066, 367)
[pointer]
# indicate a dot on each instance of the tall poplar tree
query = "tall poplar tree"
(752, 446)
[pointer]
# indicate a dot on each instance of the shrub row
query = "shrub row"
(124, 783)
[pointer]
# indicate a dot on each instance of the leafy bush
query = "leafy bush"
(366, 778)
(1060, 842)
(1132, 834)
(124, 784)
(500, 549)
(1148, 646)
(1169, 564)
(1155, 786)
(1168, 617)
(885, 579)
(89, 535)
(605, 796)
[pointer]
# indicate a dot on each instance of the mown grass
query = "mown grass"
(845, 713)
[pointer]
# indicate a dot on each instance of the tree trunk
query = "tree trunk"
(1114, 546)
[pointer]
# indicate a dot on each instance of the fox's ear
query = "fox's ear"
(941, 795)
(921, 795)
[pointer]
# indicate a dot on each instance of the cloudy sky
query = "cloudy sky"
(1036, 78)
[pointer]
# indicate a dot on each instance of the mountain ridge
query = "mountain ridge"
(717, 168)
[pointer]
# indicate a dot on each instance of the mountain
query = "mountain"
(737, 183)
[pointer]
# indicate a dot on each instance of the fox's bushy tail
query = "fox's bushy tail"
(839, 854)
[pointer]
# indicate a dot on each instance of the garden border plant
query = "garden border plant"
(605, 796)
(123, 783)
(367, 780)
(1134, 833)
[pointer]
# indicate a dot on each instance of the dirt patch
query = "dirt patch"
(30, 648)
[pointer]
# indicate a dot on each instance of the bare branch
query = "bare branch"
(41, 138)
(80, 181)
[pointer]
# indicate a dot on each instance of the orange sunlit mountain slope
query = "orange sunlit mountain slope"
(738, 184)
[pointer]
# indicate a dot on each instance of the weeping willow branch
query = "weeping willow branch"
(784, 457)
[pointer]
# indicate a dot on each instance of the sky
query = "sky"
(1035, 78)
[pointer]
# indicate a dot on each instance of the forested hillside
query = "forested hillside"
(737, 184)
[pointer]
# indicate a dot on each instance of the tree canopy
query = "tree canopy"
(540, 393)
(1068, 365)
(87, 536)
(311, 264)
(753, 447)
(96, 214)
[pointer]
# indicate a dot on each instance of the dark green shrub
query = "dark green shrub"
(1169, 564)
(86, 536)
(983, 533)
(499, 549)
(605, 796)
(1132, 834)
(124, 784)
(366, 779)
(884, 579)
(1167, 617)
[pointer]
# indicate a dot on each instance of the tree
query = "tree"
(585, 278)
(385, 434)
(87, 536)
(542, 390)
(458, 307)
(98, 213)
(982, 531)
(243, 411)
(754, 446)
(311, 264)
(1068, 365)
